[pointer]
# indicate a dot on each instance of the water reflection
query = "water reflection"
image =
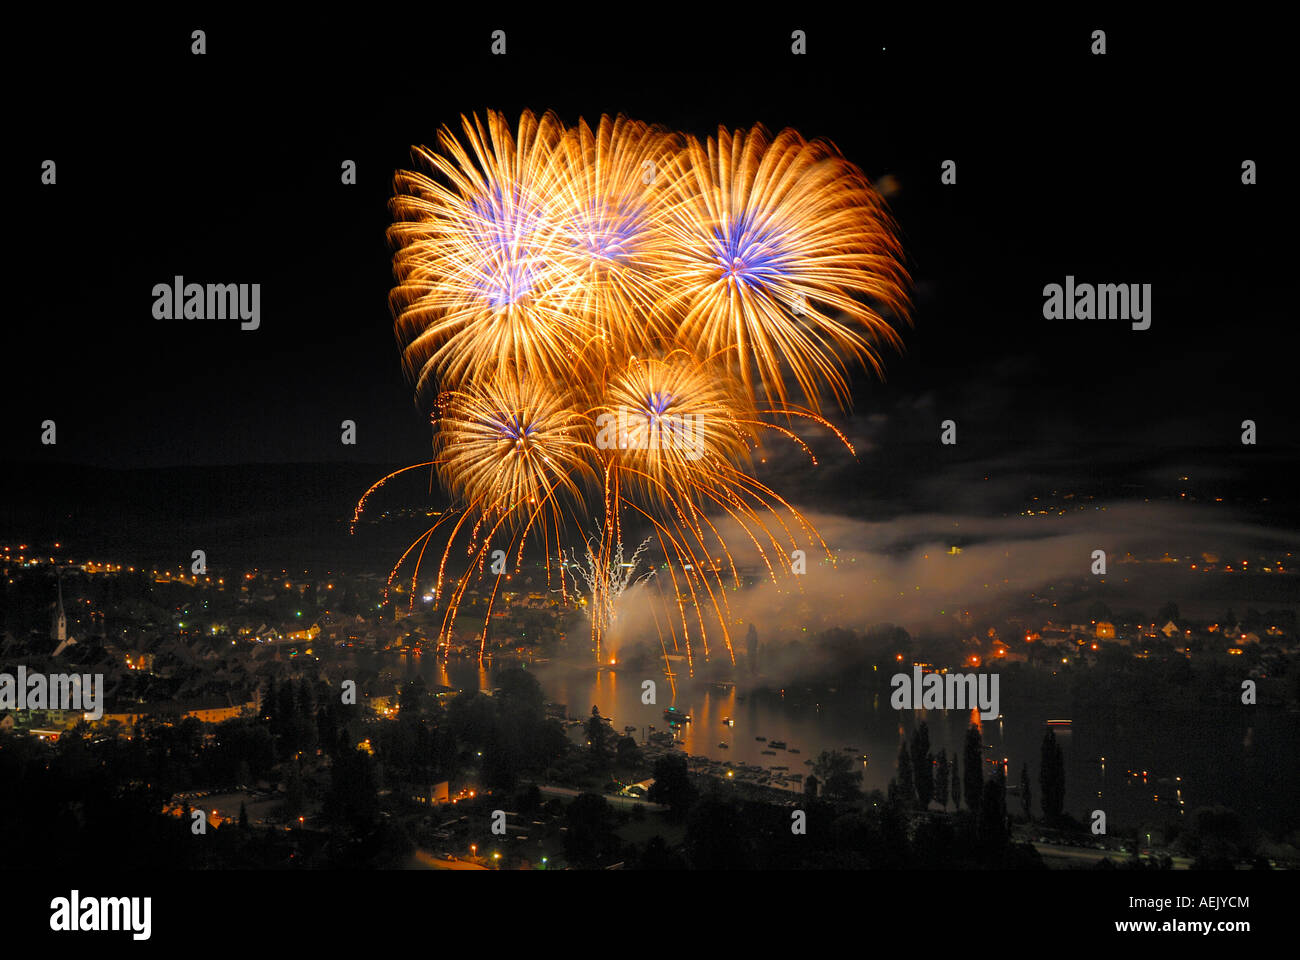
(811, 722)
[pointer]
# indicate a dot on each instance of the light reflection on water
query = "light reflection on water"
(1210, 760)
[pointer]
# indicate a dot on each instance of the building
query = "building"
(435, 793)
(59, 630)
(205, 710)
(217, 709)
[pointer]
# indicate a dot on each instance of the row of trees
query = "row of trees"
(924, 777)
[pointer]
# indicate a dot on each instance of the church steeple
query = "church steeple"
(60, 618)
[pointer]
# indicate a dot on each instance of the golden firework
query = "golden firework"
(782, 254)
(596, 312)
(512, 446)
(607, 208)
(477, 258)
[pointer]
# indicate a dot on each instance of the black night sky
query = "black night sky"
(225, 168)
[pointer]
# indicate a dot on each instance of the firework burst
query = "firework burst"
(780, 247)
(596, 312)
(610, 236)
(512, 447)
(477, 258)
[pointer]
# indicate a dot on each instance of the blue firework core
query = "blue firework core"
(514, 427)
(608, 234)
(503, 226)
(657, 402)
(656, 405)
(748, 254)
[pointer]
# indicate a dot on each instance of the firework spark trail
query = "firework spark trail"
(361, 504)
(663, 645)
(597, 310)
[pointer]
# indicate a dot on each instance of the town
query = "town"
(238, 674)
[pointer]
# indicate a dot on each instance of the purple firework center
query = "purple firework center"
(504, 227)
(673, 429)
(656, 405)
(748, 254)
(514, 428)
(610, 235)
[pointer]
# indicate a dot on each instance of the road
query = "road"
(424, 860)
(614, 799)
(1068, 856)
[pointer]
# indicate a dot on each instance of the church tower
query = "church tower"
(60, 631)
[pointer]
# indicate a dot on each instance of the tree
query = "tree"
(529, 800)
(1025, 796)
(923, 764)
(597, 733)
(295, 794)
(412, 698)
(837, 778)
(1051, 778)
(521, 695)
(305, 699)
(906, 782)
(285, 707)
(715, 836)
(941, 779)
(673, 785)
(1166, 613)
(501, 762)
(353, 797)
(1099, 611)
(810, 785)
(627, 752)
(974, 761)
(956, 784)
(1216, 839)
(659, 856)
(590, 837)
(553, 743)
(993, 813)
(243, 816)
